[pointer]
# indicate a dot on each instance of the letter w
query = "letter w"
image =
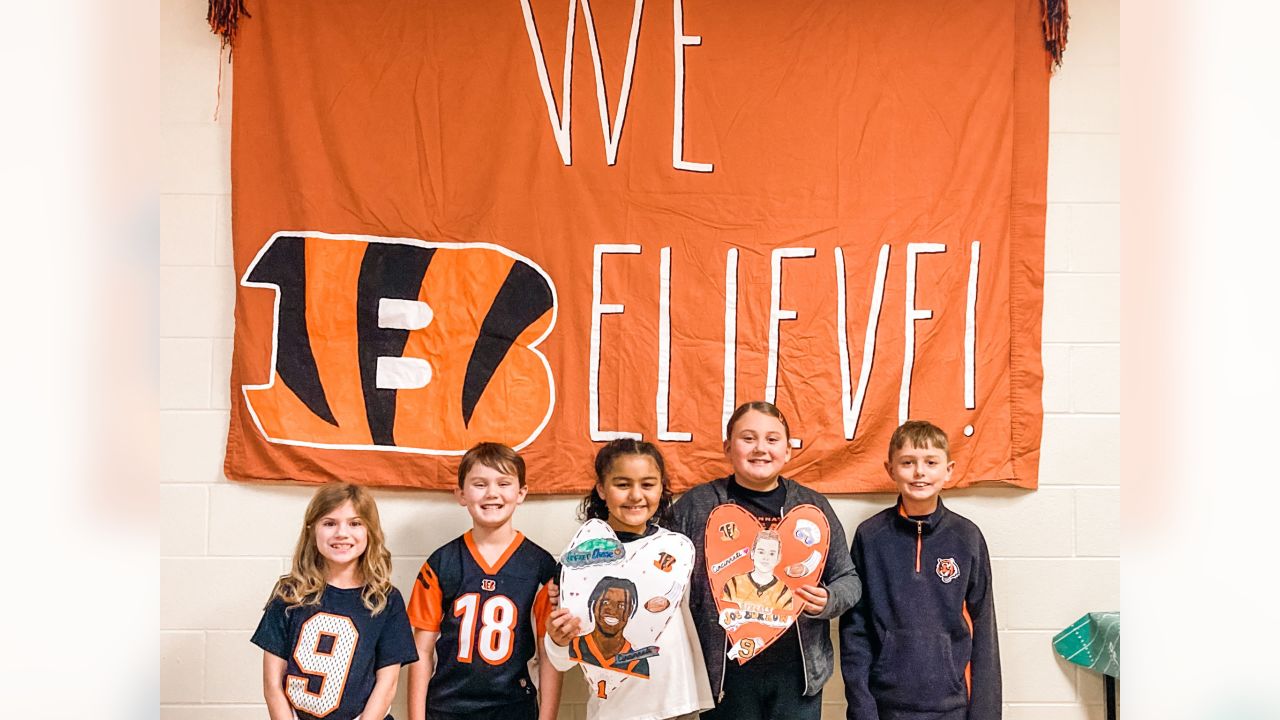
(560, 120)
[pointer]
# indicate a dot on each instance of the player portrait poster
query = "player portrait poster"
(552, 223)
(754, 571)
(625, 595)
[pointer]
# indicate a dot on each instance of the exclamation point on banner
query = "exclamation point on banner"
(970, 334)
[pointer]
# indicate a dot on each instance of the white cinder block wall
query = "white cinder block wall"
(1056, 550)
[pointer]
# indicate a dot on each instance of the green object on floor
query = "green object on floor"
(1093, 642)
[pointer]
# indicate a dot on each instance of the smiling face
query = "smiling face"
(766, 554)
(757, 448)
(490, 496)
(632, 490)
(341, 537)
(920, 474)
(612, 611)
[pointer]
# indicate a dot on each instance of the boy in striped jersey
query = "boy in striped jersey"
(477, 604)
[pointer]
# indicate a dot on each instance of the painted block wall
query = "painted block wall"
(1055, 551)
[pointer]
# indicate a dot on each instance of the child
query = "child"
(475, 602)
(922, 641)
(334, 632)
(786, 679)
(633, 495)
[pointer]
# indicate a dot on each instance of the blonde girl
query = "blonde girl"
(334, 632)
(633, 494)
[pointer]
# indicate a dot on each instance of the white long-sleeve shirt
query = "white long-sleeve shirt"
(677, 682)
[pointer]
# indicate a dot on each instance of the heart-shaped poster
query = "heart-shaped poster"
(624, 595)
(754, 572)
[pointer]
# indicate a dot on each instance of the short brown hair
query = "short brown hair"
(495, 456)
(760, 406)
(919, 434)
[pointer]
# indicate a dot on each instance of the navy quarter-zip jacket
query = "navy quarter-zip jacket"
(921, 642)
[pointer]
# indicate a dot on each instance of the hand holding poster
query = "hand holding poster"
(754, 573)
(625, 596)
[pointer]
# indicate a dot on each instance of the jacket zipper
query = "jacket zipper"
(919, 542)
(724, 660)
(804, 667)
(723, 666)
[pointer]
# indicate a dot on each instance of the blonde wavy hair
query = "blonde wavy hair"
(305, 583)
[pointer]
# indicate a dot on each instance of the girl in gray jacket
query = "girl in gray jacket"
(785, 680)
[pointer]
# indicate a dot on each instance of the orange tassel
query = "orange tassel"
(1055, 18)
(224, 19)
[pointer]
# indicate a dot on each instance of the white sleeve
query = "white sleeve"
(559, 656)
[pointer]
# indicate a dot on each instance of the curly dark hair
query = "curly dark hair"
(594, 507)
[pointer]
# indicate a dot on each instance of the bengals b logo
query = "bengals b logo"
(947, 569)
(664, 562)
(401, 344)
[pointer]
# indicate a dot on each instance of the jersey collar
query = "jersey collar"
(506, 554)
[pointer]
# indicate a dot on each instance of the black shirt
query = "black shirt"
(766, 505)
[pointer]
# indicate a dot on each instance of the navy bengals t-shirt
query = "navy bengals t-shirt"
(334, 649)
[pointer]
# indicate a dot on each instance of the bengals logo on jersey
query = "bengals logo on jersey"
(401, 344)
(947, 569)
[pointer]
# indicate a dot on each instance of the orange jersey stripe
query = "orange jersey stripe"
(541, 611)
(968, 667)
(426, 603)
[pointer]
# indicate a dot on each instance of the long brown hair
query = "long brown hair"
(305, 583)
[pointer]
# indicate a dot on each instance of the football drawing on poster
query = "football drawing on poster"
(625, 596)
(754, 572)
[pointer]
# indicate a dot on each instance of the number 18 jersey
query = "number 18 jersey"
(486, 616)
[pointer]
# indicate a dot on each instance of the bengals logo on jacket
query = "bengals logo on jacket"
(401, 344)
(947, 569)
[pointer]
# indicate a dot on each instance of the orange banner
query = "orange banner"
(554, 222)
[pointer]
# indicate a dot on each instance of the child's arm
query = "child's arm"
(273, 669)
(549, 677)
(984, 690)
(384, 690)
(549, 682)
(563, 627)
(420, 672)
(813, 599)
(855, 652)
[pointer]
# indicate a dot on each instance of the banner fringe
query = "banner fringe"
(1055, 18)
(224, 19)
